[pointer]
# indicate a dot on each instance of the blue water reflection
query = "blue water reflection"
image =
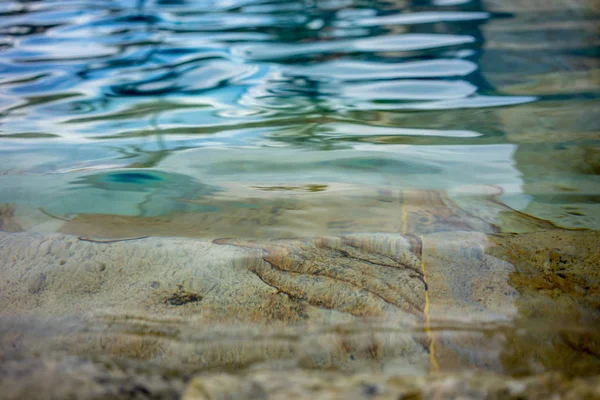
(102, 84)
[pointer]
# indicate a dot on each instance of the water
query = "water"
(275, 94)
(241, 121)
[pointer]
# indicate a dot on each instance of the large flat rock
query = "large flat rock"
(396, 305)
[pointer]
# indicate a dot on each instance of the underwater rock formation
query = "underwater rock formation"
(365, 303)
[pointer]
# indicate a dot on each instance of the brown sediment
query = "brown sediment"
(560, 264)
(558, 280)
(182, 296)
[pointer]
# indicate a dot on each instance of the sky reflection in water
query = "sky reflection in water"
(93, 85)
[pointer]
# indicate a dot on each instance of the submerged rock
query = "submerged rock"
(311, 385)
(377, 304)
(439, 291)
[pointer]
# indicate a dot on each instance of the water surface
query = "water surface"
(232, 95)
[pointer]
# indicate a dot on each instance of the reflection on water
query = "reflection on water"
(119, 84)
(252, 123)
(220, 73)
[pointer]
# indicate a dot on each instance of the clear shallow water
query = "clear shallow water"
(128, 125)
(206, 97)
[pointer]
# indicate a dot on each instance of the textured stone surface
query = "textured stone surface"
(372, 303)
(273, 385)
(176, 298)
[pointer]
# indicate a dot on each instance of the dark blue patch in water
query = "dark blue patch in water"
(139, 178)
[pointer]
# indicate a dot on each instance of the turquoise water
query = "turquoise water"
(148, 108)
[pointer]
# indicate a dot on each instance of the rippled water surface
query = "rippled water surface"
(243, 103)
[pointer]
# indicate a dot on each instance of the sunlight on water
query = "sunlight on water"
(90, 86)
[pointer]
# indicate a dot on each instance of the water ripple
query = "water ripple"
(228, 73)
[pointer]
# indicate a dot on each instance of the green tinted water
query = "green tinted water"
(220, 100)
